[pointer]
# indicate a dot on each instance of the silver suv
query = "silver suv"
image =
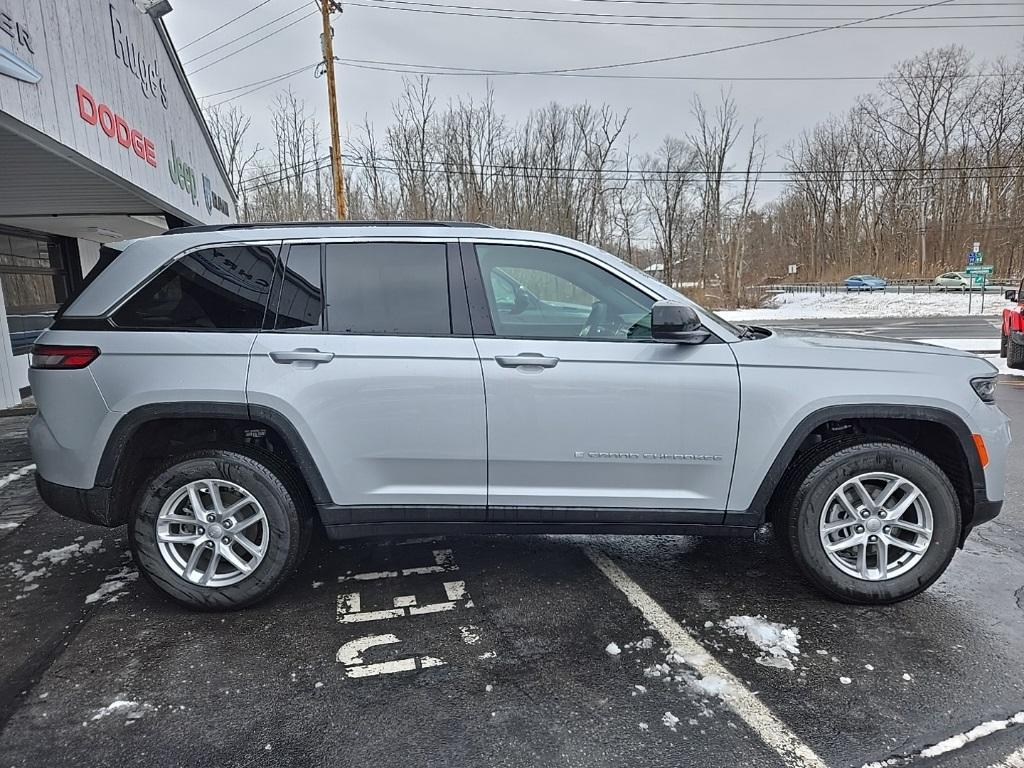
(226, 390)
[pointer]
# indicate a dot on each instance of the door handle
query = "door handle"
(314, 356)
(531, 359)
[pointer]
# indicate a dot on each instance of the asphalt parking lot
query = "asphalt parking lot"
(498, 651)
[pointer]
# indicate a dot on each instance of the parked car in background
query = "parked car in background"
(865, 283)
(1011, 343)
(953, 281)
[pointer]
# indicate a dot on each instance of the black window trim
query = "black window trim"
(480, 310)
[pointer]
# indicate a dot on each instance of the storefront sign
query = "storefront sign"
(144, 68)
(182, 174)
(114, 126)
(213, 200)
(15, 34)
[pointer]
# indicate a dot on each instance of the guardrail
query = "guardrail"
(893, 286)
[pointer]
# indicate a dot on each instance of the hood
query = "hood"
(825, 340)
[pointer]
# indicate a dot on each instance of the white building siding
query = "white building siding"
(83, 43)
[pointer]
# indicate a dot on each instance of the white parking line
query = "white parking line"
(741, 700)
(1016, 760)
(16, 475)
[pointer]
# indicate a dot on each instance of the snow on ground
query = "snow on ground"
(40, 566)
(113, 586)
(777, 640)
(129, 710)
(810, 306)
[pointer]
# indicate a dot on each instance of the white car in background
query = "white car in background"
(955, 281)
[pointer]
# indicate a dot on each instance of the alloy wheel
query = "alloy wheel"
(212, 533)
(876, 526)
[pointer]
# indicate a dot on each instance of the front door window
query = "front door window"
(539, 293)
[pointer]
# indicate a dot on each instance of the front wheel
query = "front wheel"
(219, 529)
(1002, 345)
(872, 523)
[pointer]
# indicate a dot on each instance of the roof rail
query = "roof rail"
(286, 224)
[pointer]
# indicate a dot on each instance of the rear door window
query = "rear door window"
(298, 302)
(220, 288)
(387, 288)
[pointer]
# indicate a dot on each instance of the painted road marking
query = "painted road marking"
(740, 699)
(351, 655)
(443, 561)
(1016, 760)
(350, 605)
(16, 475)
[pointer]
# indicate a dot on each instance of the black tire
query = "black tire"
(823, 470)
(1002, 345)
(276, 489)
(1014, 352)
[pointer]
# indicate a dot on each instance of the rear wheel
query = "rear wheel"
(1014, 351)
(219, 529)
(1002, 345)
(873, 522)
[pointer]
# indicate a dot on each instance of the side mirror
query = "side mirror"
(677, 323)
(1010, 295)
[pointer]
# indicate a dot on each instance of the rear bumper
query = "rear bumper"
(90, 505)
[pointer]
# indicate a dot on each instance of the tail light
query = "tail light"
(51, 356)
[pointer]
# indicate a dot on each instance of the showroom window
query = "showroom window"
(35, 284)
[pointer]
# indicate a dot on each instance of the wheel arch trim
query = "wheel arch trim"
(130, 423)
(758, 509)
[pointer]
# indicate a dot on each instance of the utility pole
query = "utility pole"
(922, 224)
(327, 43)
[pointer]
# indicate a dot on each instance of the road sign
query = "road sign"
(977, 248)
(975, 258)
(979, 279)
(982, 269)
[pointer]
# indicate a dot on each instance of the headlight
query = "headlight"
(986, 388)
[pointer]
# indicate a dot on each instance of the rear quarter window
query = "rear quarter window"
(219, 288)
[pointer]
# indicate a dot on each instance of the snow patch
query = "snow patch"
(130, 710)
(670, 721)
(811, 306)
(612, 649)
(113, 586)
(845, 680)
(470, 635)
(777, 641)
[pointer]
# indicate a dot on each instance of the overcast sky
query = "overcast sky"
(656, 107)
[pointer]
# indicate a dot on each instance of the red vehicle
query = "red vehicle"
(1011, 344)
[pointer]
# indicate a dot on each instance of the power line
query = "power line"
(736, 47)
(875, 175)
(250, 45)
(432, 69)
(259, 82)
(575, 15)
(225, 24)
(244, 35)
(512, 15)
(758, 4)
(260, 85)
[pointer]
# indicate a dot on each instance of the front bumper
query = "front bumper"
(90, 505)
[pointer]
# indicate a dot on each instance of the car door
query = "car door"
(588, 418)
(368, 353)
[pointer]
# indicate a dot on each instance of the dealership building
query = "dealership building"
(101, 139)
